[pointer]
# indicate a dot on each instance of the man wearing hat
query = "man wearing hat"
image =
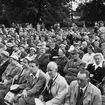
(4, 55)
(71, 68)
(11, 71)
(9, 48)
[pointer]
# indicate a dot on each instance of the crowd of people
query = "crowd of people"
(58, 67)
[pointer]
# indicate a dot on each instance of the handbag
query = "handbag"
(47, 95)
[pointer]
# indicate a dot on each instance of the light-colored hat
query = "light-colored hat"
(5, 53)
(62, 45)
(28, 58)
(14, 57)
(9, 44)
(32, 48)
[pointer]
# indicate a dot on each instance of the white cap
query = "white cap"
(14, 57)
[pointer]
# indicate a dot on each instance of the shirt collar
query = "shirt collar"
(100, 65)
(55, 76)
(84, 88)
(37, 74)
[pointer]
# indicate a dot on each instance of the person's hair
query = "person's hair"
(91, 47)
(27, 60)
(36, 62)
(99, 54)
(85, 72)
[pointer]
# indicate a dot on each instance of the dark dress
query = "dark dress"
(99, 73)
(3, 67)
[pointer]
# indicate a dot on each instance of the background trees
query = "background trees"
(33, 11)
(93, 10)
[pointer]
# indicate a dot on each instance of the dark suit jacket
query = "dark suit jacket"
(43, 60)
(99, 73)
(3, 67)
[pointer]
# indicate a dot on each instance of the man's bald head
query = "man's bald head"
(52, 65)
(52, 69)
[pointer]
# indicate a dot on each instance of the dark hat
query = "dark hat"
(82, 64)
(74, 52)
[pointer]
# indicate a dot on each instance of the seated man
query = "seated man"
(56, 87)
(72, 67)
(36, 82)
(82, 92)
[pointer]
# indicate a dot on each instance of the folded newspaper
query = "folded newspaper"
(38, 102)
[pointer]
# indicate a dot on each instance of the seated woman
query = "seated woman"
(61, 61)
(96, 69)
(20, 81)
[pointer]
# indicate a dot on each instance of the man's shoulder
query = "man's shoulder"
(42, 74)
(61, 80)
(93, 89)
(73, 83)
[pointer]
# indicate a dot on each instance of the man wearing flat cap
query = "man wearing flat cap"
(71, 68)
(9, 48)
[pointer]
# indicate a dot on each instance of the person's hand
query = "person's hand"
(24, 93)
(6, 81)
(16, 77)
(41, 98)
(44, 103)
(91, 75)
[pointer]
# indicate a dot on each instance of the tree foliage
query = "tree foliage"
(49, 11)
(92, 11)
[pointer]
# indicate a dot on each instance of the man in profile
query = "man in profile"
(36, 83)
(57, 87)
(82, 92)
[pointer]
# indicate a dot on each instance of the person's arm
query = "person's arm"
(37, 87)
(66, 67)
(60, 96)
(97, 99)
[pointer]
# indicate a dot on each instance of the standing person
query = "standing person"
(82, 92)
(56, 87)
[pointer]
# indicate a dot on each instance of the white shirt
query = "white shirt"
(96, 66)
(37, 74)
(88, 58)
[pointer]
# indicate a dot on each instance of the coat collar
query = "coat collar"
(88, 91)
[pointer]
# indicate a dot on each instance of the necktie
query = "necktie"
(80, 94)
(50, 84)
